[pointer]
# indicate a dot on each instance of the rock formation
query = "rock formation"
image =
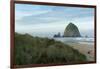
(71, 31)
(57, 35)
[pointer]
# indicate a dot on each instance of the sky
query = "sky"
(45, 20)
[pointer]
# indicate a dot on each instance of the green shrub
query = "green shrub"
(36, 50)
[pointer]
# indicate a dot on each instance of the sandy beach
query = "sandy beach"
(86, 49)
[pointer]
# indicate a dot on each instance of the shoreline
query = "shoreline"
(86, 49)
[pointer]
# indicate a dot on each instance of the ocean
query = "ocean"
(81, 40)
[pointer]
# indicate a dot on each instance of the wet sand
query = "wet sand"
(86, 49)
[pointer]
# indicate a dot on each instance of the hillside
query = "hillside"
(36, 50)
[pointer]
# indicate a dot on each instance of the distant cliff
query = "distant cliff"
(71, 31)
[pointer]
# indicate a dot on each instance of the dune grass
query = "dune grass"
(36, 50)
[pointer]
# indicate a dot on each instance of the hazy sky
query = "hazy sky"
(42, 20)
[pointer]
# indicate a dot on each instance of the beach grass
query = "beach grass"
(37, 50)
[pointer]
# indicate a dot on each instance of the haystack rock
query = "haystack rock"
(71, 31)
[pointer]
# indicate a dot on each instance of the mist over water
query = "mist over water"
(51, 34)
(81, 40)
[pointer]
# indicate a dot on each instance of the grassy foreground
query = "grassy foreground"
(36, 50)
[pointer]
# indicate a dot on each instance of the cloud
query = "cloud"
(37, 18)
(51, 14)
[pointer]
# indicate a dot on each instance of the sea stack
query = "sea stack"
(71, 31)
